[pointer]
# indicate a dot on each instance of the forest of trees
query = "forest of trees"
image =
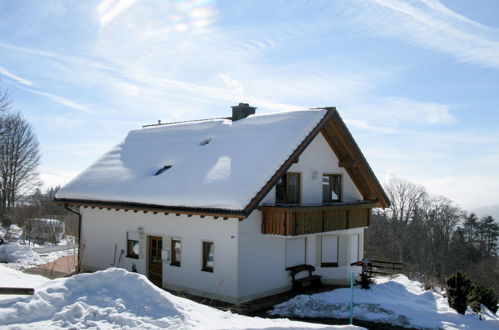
(20, 196)
(433, 237)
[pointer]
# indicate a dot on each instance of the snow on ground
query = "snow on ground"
(12, 278)
(115, 298)
(19, 256)
(398, 301)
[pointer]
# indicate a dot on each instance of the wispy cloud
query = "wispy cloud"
(110, 9)
(430, 24)
(393, 111)
(61, 100)
(16, 78)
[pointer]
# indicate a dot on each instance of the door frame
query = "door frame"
(149, 256)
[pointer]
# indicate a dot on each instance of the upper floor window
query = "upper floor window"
(331, 188)
(288, 189)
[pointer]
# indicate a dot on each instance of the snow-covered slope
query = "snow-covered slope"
(398, 301)
(20, 256)
(115, 298)
(12, 278)
(214, 163)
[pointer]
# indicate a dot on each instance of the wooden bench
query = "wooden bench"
(311, 280)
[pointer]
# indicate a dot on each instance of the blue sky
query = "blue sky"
(416, 81)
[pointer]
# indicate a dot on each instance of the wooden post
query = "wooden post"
(27, 291)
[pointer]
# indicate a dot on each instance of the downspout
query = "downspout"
(78, 266)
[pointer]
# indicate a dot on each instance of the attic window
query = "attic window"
(161, 170)
(205, 141)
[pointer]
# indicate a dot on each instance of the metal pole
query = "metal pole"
(351, 298)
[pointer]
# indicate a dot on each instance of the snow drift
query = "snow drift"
(115, 298)
(398, 301)
(14, 252)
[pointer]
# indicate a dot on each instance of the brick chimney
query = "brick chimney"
(241, 111)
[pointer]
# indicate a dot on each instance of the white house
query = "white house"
(222, 207)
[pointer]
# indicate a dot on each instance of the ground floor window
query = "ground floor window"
(208, 256)
(295, 252)
(176, 252)
(132, 245)
(354, 248)
(329, 251)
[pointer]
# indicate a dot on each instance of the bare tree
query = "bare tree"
(5, 102)
(19, 159)
(406, 197)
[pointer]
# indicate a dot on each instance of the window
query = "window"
(176, 252)
(288, 189)
(329, 251)
(132, 245)
(208, 257)
(295, 251)
(331, 188)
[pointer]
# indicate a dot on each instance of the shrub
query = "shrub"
(480, 295)
(458, 289)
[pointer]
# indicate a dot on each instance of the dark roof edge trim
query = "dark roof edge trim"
(154, 208)
(330, 111)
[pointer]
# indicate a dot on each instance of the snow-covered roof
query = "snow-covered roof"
(217, 163)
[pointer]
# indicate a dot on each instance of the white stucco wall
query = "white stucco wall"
(318, 159)
(102, 229)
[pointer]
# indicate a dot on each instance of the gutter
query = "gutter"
(189, 211)
(78, 266)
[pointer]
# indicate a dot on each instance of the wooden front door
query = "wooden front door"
(155, 262)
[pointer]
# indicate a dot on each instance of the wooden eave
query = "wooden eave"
(352, 159)
(349, 155)
(145, 208)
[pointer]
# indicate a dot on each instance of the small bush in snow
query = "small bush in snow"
(458, 289)
(480, 295)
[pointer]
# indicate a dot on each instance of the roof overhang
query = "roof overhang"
(155, 209)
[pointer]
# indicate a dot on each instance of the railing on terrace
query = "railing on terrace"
(295, 220)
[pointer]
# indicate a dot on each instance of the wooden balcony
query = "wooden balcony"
(295, 220)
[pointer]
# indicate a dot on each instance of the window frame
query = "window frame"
(173, 260)
(340, 193)
(205, 257)
(287, 199)
(129, 247)
(330, 264)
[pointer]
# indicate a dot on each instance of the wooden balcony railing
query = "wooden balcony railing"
(294, 220)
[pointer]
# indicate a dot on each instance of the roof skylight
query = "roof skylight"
(206, 141)
(161, 170)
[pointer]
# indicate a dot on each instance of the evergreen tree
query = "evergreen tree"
(489, 232)
(458, 290)
(470, 227)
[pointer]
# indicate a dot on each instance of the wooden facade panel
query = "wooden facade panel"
(298, 221)
(359, 218)
(336, 220)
